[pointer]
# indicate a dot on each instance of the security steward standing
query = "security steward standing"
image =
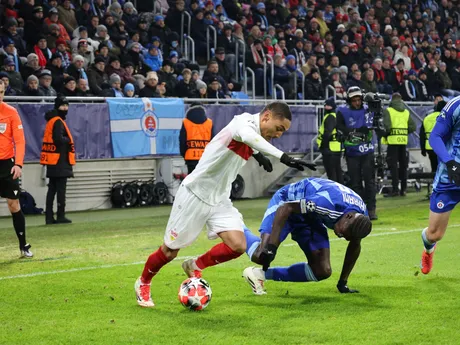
(331, 148)
(398, 124)
(355, 123)
(58, 154)
(196, 132)
(12, 151)
(425, 130)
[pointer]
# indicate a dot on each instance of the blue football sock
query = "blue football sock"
(252, 242)
(300, 272)
(429, 246)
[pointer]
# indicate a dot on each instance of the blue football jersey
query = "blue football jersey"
(320, 200)
(448, 123)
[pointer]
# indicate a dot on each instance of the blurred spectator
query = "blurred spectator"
(45, 78)
(9, 52)
(84, 13)
(53, 18)
(166, 76)
(211, 73)
(97, 76)
(130, 17)
(31, 67)
(115, 11)
(383, 85)
(54, 33)
(202, 89)
(456, 77)
(399, 75)
(311, 63)
(433, 81)
(227, 41)
(128, 90)
(10, 31)
(159, 29)
(225, 70)
(102, 36)
(81, 33)
(152, 58)
(215, 89)
(31, 87)
(313, 86)
(403, 54)
(83, 89)
(9, 91)
(115, 87)
(413, 89)
(368, 81)
(281, 73)
(67, 16)
(114, 66)
(92, 26)
(446, 82)
(34, 27)
(61, 49)
(355, 79)
(76, 69)
(15, 79)
(186, 88)
(198, 33)
(57, 71)
(70, 87)
(83, 51)
(297, 51)
(150, 87)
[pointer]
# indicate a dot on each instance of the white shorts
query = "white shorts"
(189, 214)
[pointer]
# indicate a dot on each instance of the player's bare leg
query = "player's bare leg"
(435, 231)
(19, 224)
(154, 263)
(232, 246)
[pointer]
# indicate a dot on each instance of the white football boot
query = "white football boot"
(256, 278)
(25, 252)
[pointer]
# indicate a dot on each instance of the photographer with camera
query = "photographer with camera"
(398, 124)
(356, 124)
(330, 146)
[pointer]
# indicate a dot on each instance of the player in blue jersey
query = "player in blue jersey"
(445, 141)
(305, 210)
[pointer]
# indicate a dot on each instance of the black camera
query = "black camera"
(374, 105)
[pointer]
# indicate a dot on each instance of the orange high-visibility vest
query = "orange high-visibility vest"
(50, 155)
(198, 136)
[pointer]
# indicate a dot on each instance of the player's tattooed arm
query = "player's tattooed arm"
(351, 256)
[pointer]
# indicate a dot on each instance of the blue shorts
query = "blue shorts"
(444, 201)
(308, 232)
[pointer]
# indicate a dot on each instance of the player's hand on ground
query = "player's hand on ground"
(16, 171)
(453, 171)
(296, 163)
(343, 287)
(263, 162)
(267, 256)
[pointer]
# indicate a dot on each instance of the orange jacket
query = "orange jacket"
(198, 136)
(12, 141)
(50, 154)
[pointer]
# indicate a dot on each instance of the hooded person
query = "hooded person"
(196, 132)
(58, 154)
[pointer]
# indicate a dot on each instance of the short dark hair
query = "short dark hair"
(361, 226)
(278, 109)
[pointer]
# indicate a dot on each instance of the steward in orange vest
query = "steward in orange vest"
(58, 154)
(196, 132)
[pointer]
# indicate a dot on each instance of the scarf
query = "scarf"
(256, 56)
(41, 57)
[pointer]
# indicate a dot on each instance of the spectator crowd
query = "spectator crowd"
(97, 48)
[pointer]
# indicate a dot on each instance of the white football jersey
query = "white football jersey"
(225, 155)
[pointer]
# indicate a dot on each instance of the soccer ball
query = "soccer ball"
(195, 293)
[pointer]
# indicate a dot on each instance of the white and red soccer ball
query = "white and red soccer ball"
(195, 293)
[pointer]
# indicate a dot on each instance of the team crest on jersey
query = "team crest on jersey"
(440, 204)
(172, 234)
(2, 128)
(149, 123)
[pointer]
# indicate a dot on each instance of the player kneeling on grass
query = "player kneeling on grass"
(305, 210)
(203, 197)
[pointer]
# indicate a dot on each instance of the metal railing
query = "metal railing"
(279, 87)
(190, 47)
(248, 69)
(334, 91)
(213, 29)
(157, 5)
(303, 85)
(237, 59)
(189, 25)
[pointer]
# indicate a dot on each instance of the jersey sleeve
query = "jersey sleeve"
(247, 133)
(19, 139)
(320, 206)
(443, 130)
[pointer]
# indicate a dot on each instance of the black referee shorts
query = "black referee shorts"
(9, 188)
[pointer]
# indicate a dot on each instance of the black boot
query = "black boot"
(61, 218)
(373, 215)
(49, 218)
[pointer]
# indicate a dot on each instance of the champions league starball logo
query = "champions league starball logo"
(149, 123)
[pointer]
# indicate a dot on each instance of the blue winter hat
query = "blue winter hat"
(173, 54)
(412, 72)
(158, 17)
(290, 57)
(128, 87)
(260, 6)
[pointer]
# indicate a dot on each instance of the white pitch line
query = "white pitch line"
(79, 269)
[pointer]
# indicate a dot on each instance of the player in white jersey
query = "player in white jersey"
(203, 197)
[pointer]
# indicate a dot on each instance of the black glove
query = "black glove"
(263, 162)
(267, 256)
(296, 163)
(343, 288)
(423, 153)
(453, 171)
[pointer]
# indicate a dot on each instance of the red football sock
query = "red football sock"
(154, 263)
(216, 255)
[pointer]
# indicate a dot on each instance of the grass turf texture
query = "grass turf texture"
(76, 303)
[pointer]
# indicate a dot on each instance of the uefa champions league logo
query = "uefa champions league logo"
(149, 123)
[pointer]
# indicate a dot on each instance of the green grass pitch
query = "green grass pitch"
(78, 289)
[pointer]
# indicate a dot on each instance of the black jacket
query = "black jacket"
(62, 142)
(196, 115)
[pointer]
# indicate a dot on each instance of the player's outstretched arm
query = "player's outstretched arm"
(352, 254)
(263, 161)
